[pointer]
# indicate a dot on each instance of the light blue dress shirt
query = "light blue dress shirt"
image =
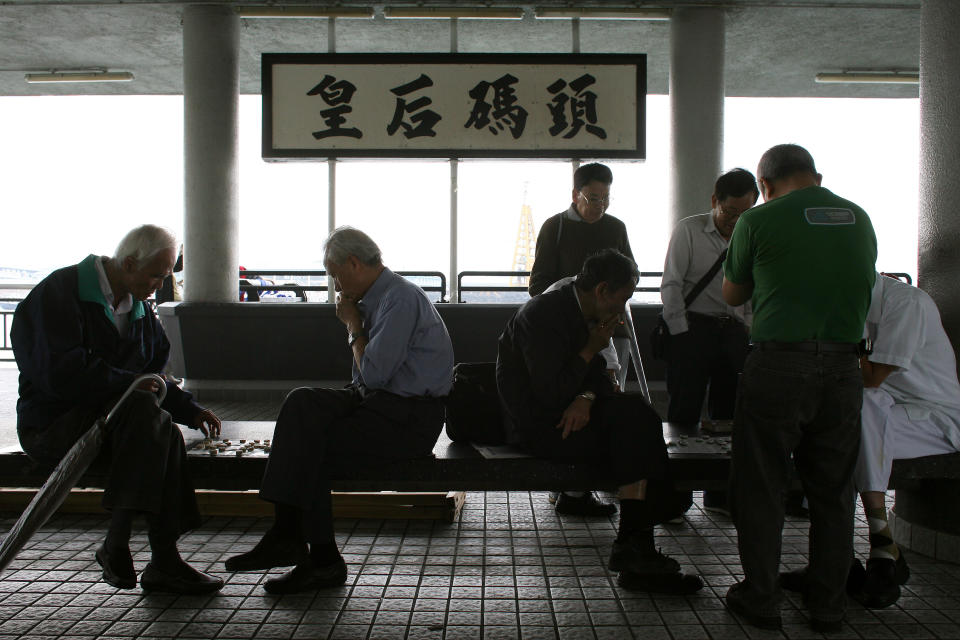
(408, 352)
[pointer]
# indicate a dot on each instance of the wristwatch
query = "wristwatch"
(587, 395)
(356, 336)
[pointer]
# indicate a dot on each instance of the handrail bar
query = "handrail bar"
(255, 273)
(521, 288)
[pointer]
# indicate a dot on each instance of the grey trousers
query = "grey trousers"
(806, 405)
(144, 458)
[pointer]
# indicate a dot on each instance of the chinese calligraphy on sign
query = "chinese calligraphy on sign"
(454, 105)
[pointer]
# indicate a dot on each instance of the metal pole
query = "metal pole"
(454, 166)
(331, 165)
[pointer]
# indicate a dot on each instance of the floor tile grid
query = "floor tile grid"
(37, 600)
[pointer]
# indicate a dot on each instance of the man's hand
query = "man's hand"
(575, 416)
(150, 385)
(208, 423)
(599, 336)
(348, 313)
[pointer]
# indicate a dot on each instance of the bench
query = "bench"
(461, 467)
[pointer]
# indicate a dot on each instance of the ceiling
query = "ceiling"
(774, 48)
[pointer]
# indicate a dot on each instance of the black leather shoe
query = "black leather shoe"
(307, 577)
(735, 603)
(117, 568)
(632, 557)
(796, 580)
(182, 579)
(826, 626)
(881, 585)
(678, 584)
(272, 551)
(588, 505)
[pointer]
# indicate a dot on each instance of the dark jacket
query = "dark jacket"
(563, 244)
(70, 353)
(539, 369)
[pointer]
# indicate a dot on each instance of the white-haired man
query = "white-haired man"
(402, 369)
(80, 338)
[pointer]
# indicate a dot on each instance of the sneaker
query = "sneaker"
(677, 584)
(881, 585)
(588, 505)
(762, 620)
(630, 556)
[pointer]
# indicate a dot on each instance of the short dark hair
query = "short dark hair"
(587, 173)
(785, 160)
(609, 266)
(735, 183)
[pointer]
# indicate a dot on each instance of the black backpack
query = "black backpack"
(473, 406)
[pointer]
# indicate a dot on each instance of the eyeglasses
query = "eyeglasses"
(602, 201)
(730, 213)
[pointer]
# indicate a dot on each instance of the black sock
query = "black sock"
(163, 544)
(324, 553)
(288, 521)
(635, 522)
(118, 533)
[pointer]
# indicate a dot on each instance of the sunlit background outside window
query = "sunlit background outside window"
(78, 172)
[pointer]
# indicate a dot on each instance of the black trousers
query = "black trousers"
(318, 429)
(806, 405)
(143, 455)
(624, 436)
(711, 352)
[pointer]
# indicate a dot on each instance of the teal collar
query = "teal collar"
(88, 288)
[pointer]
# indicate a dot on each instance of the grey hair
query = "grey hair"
(784, 160)
(144, 242)
(347, 241)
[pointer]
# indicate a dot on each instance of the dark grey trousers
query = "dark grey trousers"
(806, 405)
(318, 429)
(143, 455)
(709, 353)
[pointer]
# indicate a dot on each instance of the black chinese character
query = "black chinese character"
(582, 104)
(420, 122)
(337, 94)
(506, 113)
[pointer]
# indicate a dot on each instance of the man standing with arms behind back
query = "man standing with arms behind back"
(806, 260)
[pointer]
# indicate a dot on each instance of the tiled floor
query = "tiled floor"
(508, 568)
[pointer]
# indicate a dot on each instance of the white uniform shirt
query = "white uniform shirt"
(904, 324)
(694, 246)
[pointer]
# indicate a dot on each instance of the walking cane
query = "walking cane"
(55, 490)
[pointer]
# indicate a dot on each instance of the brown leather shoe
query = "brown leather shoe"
(307, 577)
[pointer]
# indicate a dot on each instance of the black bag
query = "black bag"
(661, 333)
(473, 406)
(658, 338)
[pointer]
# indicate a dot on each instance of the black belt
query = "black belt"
(721, 320)
(809, 346)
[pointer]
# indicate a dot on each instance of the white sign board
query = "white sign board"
(453, 106)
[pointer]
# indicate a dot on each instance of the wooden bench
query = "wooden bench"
(461, 467)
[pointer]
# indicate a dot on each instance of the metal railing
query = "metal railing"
(320, 273)
(522, 288)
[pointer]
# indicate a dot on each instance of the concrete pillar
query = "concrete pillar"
(696, 107)
(210, 102)
(939, 159)
(924, 518)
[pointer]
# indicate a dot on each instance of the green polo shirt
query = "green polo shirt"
(811, 257)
